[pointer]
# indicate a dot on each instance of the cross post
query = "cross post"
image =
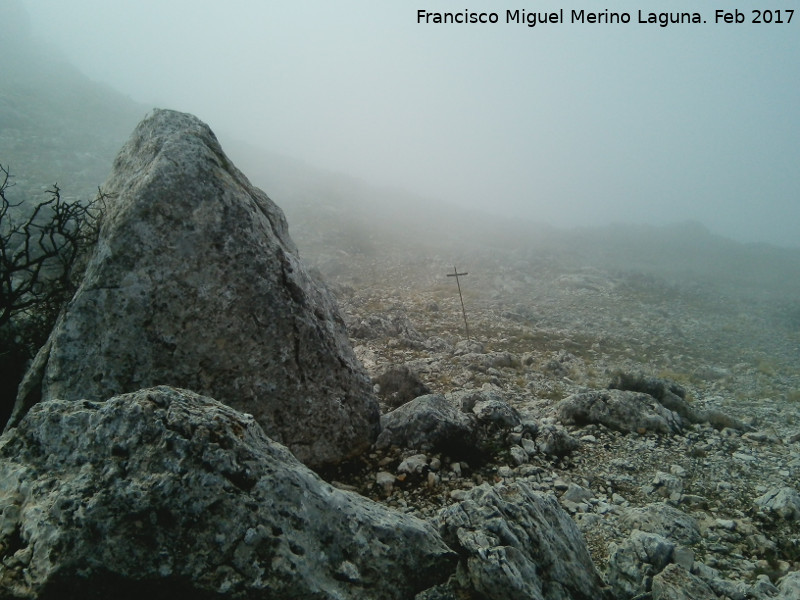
(456, 274)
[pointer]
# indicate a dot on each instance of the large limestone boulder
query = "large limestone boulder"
(196, 283)
(516, 543)
(163, 493)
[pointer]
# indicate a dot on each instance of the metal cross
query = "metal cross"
(456, 274)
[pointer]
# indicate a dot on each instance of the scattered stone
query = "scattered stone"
(677, 470)
(468, 347)
(577, 494)
(515, 543)
(529, 446)
(495, 413)
(664, 520)
(518, 455)
(560, 485)
(619, 410)
(394, 325)
(429, 423)
(728, 524)
(554, 440)
(413, 464)
(632, 565)
(385, 481)
(783, 502)
(667, 485)
(505, 472)
(677, 583)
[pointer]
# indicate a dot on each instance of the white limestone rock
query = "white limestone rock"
(196, 283)
(164, 493)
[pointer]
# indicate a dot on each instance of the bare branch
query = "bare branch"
(38, 254)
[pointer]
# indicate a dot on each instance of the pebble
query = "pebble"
(677, 470)
(518, 455)
(529, 446)
(744, 457)
(728, 524)
(505, 471)
(413, 464)
(385, 480)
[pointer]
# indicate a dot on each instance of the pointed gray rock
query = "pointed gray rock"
(196, 283)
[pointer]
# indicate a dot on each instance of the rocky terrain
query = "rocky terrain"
(621, 422)
(716, 494)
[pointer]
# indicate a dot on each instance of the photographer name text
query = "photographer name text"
(607, 17)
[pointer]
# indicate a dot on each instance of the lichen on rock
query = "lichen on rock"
(163, 491)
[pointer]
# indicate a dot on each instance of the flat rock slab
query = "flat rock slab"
(620, 410)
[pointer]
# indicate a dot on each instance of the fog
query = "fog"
(567, 124)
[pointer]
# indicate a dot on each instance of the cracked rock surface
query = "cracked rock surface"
(196, 283)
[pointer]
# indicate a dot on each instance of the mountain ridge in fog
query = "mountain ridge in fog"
(325, 206)
(57, 125)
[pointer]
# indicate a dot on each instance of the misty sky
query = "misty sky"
(570, 124)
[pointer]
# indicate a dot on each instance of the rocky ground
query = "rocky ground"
(706, 509)
(543, 328)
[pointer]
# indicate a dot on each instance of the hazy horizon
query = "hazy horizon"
(569, 124)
